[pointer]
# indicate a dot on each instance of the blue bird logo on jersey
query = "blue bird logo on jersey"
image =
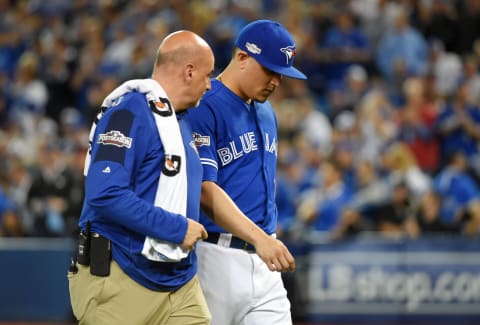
(289, 52)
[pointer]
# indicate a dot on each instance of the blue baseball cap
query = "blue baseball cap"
(271, 45)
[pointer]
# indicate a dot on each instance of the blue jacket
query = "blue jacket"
(120, 190)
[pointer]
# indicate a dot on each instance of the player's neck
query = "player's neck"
(235, 90)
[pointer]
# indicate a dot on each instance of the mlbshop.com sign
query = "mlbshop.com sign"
(433, 278)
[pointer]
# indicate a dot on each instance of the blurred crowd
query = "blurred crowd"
(383, 137)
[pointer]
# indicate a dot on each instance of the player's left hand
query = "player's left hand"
(275, 254)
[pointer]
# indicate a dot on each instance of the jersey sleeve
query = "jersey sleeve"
(121, 143)
(202, 121)
(465, 189)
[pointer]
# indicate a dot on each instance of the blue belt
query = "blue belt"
(235, 242)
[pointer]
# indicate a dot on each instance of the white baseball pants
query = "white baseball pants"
(240, 289)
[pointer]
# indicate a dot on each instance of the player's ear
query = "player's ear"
(188, 74)
(241, 57)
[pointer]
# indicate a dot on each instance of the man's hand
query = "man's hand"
(195, 232)
(275, 254)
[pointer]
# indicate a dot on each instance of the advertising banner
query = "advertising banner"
(434, 279)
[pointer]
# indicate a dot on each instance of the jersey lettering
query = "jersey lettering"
(225, 155)
(271, 146)
(236, 154)
(246, 142)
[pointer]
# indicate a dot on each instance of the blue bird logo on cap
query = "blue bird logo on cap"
(267, 42)
(289, 52)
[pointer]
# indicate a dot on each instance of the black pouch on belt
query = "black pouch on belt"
(100, 255)
(83, 248)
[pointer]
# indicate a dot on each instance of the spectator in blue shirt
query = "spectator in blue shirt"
(322, 207)
(458, 125)
(292, 180)
(344, 44)
(402, 51)
(460, 196)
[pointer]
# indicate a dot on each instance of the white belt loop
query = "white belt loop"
(224, 240)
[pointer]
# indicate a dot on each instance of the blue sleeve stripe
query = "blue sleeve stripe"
(209, 162)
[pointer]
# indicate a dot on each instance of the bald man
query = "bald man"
(135, 262)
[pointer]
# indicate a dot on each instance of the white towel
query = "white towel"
(172, 189)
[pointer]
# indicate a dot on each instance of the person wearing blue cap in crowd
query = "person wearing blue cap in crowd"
(235, 131)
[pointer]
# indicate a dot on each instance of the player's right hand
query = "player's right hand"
(275, 254)
(195, 232)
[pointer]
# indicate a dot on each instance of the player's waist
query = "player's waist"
(230, 241)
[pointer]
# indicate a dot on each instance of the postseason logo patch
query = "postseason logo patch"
(115, 138)
(253, 48)
(201, 140)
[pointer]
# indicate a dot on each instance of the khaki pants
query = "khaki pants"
(117, 299)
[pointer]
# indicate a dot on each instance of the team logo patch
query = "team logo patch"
(289, 52)
(171, 166)
(115, 138)
(161, 106)
(253, 48)
(201, 140)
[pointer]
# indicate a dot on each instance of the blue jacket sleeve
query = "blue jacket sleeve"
(123, 176)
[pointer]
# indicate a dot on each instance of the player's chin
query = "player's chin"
(262, 97)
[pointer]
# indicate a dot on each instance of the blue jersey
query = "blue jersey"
(121, 184)
(457, 191)
(331, 207)
(237, 143)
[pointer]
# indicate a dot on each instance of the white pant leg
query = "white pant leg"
(240, 289)
(271, 305)
(225, 278)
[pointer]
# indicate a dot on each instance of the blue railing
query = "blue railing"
(33, 279)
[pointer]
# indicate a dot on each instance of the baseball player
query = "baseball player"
(235, 130)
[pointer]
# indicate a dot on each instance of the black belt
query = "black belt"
(235, 242)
